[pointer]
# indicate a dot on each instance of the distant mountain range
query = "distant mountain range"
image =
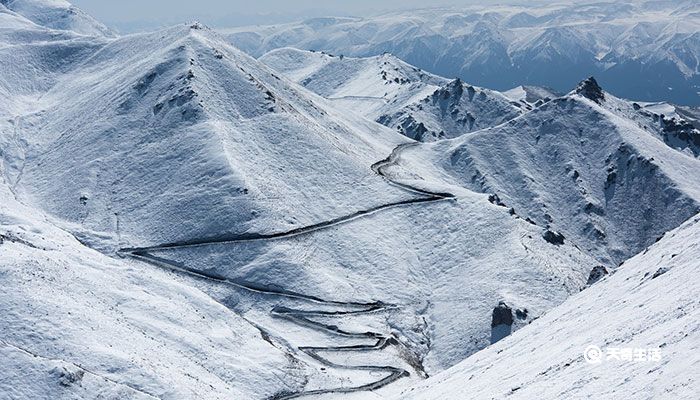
(646, 51)
(181, 220)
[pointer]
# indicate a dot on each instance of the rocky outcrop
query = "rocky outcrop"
(597, 273)
(591, 90)
(553, 237)
(501, 322)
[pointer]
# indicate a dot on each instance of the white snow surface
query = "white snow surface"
(531, 94)
(649, 303)
(383, 88)
(576, 167)
(185, 127)
(57, 15)
(644, 49)
(369, 86)
(79, 324)
(140, 175)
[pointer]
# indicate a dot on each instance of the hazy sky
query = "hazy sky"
(129, 15)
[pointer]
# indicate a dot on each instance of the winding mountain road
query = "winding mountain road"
(304, 318)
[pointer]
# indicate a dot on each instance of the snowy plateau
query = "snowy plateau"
(181, 220)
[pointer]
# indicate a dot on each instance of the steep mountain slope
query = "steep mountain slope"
(184, 127)
(78, 324)
(531, 96)
(418, 105)
(643, 50)
(452, 110)
(584, 164)
(369, 85)
(676, 126)
(267, 242)
(33, 59)
(649, 304)
(180, 152)
(423, 260)
(57, 15)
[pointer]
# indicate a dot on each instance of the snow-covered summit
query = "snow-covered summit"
(416, 104)
(643, 50)
(369, 85)
(588, 164)
(57, 15)
(179, 220)
(452, 110)
(163, 110)
(172, 147)
(674, 126)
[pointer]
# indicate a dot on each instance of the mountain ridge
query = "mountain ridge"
(627, 46)
(179, 219)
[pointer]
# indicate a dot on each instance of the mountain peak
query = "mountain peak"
(590, 89)
(58, 15)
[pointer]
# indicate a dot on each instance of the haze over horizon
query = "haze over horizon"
(133, 15)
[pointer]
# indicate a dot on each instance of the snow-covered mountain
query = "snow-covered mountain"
(56, 15)
(648, 308)
(643, 50)
(80, 324)
(531, 95)
(163, 110)
(608, 174)
(178, 152)
(180, 220)
(417, 104)
(370, 86)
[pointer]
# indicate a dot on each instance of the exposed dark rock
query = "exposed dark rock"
(612, 177)
(501, 322)
(597, 273)
(66, 377)
(591, 90)
(659, 272)
(494, 199)
(591, 208)
(502, 315)
(413, 129)
(553, 237)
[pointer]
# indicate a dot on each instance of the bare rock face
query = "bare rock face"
(501, 322)
(553, 237)
(68, 375)
(502, 315)
(597, 273)
(591, 90)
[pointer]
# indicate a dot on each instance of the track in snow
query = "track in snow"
(303, 317)
(375, 98)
